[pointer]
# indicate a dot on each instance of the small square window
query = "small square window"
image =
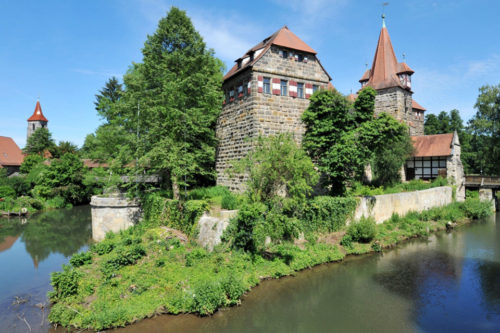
(267, 85)
(315, 88)
(285, 54)
(300, 57)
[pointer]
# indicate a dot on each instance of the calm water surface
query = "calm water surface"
(30, 249)
(448, 283)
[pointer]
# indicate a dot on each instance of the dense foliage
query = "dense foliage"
(39, 142)
(342, 140)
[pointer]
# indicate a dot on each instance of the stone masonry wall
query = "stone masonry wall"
(112, 214)
(397, 102)
(381, 207)
(38, 124)
(258, 113)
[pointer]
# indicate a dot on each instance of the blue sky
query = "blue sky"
(64, 51)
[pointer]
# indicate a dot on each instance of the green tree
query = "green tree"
(29, 162)
(431, 124)
(178, 90)
(62, 148)
(64, 177)
(277, 166)
(40, 141)
(390, 146)
(484, 129)
(107, 98)
(326, 120)
(364, 105)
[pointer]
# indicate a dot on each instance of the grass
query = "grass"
(146, 270)
(414, 185)
(216, 196)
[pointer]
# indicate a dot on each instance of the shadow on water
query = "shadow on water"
(30, 249)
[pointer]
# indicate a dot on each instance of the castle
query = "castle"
(266, 92)
(268, 89)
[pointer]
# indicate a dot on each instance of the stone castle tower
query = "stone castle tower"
(392, 80)
(37, 120)
(266, 92)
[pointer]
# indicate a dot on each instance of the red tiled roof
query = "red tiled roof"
(283, 37)
(10, 154)
(432, 145)
(37, 114)
(415, 105)
(385, 67)
(352, 97)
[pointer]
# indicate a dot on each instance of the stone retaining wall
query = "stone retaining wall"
(381, 207)
(113, 214)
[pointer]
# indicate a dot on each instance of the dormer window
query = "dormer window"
(405, 80)
(239, 63)
(251, 56)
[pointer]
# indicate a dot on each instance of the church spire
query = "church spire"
(37, 114)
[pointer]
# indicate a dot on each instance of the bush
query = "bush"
(56, 202)
(346, 241)
(194, 255)
(328, 214)
(234, 288)
(245, 226)
(208, 297)
(103, 247)
(7, 192)
(363, 231)
(81, 259)
(65, 283)
(123, 257)
(173, 213)
(476, 209)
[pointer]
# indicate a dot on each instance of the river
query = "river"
(448, 282)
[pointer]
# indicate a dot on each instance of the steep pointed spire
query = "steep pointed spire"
(385, 67)
(37, 114)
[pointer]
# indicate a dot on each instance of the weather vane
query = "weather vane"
(404, 57)
(384, 4)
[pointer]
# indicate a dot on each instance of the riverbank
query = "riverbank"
(146, 271)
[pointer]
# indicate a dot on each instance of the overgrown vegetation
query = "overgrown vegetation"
(147, 270)
(358, 189)
(342, 140)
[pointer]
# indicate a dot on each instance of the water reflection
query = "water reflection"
(30, 249)
(62, 231)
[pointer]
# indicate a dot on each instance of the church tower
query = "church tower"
(37, 120)
(392, 80)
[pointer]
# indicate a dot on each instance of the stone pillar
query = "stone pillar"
(486, 194)
(113, 213)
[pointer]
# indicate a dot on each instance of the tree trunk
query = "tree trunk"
(175, 188)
